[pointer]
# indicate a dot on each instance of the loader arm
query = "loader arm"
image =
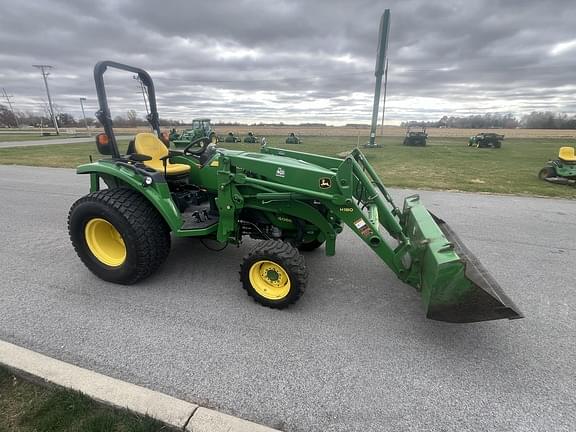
(454, 285)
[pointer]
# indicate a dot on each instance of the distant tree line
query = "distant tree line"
(66, 120)
(534, 120)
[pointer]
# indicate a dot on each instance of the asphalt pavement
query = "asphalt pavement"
(354, 354)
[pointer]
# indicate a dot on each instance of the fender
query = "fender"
(157, 193)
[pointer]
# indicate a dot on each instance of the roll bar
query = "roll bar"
(103, 114)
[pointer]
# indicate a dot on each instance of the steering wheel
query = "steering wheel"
(205, 143)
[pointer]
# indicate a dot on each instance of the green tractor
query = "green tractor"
(416, 137)
(561, 170)
(251, 138)
(290, 201)
(231, 138)
(293, 139)
(200, 128)
(486, 140)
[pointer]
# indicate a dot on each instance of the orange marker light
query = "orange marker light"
(102, 139)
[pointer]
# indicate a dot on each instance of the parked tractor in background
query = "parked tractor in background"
(251, 138)
(561, 170)
(415, 136)
(200, 128)
(486, 140)
(293, 139)
(230, 137)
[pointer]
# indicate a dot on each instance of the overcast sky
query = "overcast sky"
(295, 61)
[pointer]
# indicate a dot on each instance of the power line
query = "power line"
(8, 97)
(44, 69)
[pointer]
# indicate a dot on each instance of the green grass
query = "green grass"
(26, 407)
(446, 163)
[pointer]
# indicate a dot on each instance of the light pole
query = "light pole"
(82, 99)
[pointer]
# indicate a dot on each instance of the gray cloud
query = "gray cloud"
(257, 60)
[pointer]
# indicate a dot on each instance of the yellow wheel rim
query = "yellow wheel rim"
(269, 280)
(105, 242)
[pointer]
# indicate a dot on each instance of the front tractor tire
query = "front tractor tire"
(274, 274)
(118, 235)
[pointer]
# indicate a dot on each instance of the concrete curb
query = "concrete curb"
(111, 391)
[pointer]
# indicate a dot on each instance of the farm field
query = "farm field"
(361, 132)
(445, 164)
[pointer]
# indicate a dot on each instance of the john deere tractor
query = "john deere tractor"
(415, 137)
(293, 139)
(561, 170)
(200, 128)
(486, 140)
(251, 138)
(289, 201)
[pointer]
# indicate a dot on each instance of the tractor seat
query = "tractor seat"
(150, 145)
(567, 154)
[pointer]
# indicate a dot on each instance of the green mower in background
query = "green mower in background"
(561, 170)
(290, 201)
(293, 139)
(251, 138)
(231, 138)
(486, 140)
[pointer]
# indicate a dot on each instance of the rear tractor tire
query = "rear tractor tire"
(118, 235)
(274, 274)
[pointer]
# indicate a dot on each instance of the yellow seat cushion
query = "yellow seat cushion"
(150, 145)
(567, 154)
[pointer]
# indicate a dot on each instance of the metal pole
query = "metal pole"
(8, 97)
(82, 99)
(384, 98)
(45, 74)
(379, 71)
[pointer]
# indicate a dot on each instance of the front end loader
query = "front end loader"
(290, 201)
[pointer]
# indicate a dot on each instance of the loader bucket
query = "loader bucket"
(455, 286)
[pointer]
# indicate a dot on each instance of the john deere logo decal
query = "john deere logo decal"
(325, 183)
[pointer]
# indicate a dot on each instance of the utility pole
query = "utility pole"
(384, 99)
(8, 97)
(383, 34)
(82, 99)
(43, 70)
(137, 78)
